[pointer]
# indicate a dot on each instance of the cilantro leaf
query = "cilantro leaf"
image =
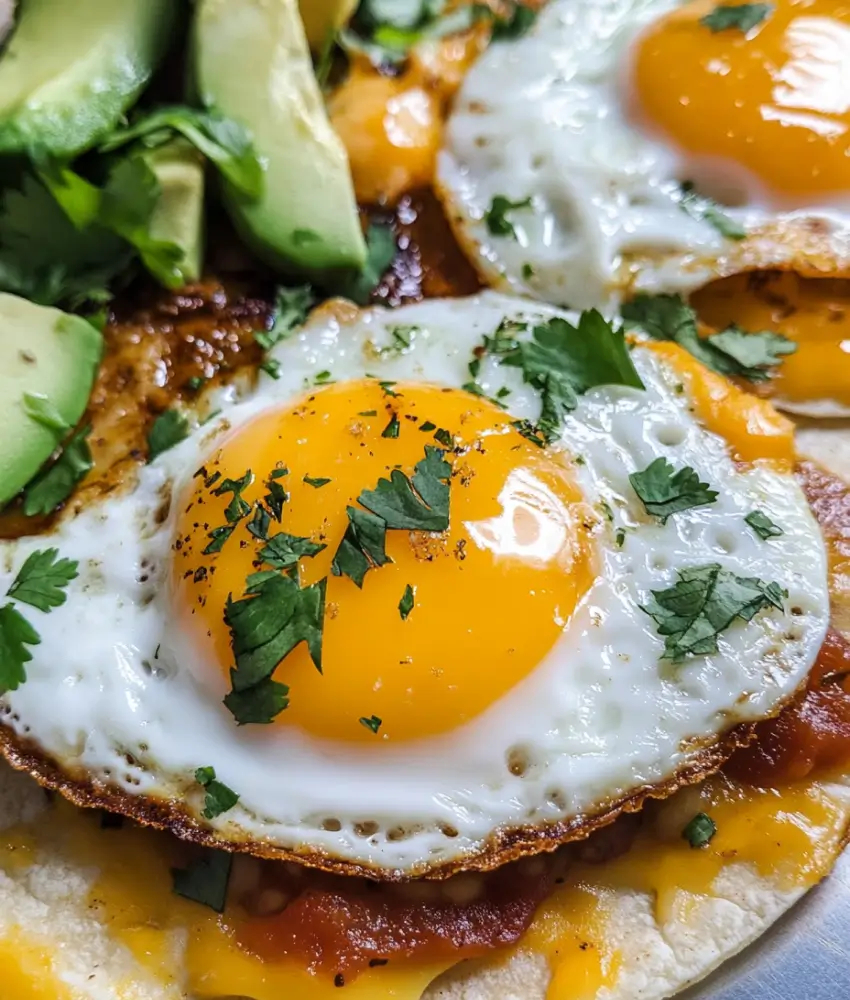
(704, 601)
(393, 427)
(268, 624)
(219, 798)
(762, 525)
(16, 634)
(700, 831)
(169, 429)
(750, 355)
(55, 484)
(496, 216)
(386, 30)
(702, 208)
(292, 306)
(371, 722)
(222, 141)
(363, 546)
(381, 248)
(317, 482)
(46, 258)
(282, 551)
(259, 704)
(563, 361)
(42, 579)
(733, 352)
(205, 880)
(418, 505)
(664, 491)
(741, 16)
(405, 605)
(518, 20)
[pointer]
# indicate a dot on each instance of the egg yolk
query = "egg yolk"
(813, 312)
(774, 100)
(487, 598)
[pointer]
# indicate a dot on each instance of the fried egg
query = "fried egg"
(655, 145)
(485, 690)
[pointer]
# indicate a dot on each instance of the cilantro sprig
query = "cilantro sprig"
(41, 582)
(705, 601)
(56, 483)
(496, 217)
(762, 525)
(664, 491)
(168, 430)
(205, 880)
(732, 352)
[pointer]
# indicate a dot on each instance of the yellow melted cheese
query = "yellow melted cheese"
(790, 836)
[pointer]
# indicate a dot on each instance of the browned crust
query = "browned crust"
(506, 844)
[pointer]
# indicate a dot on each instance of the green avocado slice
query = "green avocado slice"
(71, 70)
(48, 364)
(253, 64)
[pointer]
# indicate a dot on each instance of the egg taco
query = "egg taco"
(364, 632)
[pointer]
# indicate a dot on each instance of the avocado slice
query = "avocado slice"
(253, 64)
(48, 364)
(323, 19)
(179, 214)
(71, 70)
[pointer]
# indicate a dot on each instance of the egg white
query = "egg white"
(543, 117)
(602, 716)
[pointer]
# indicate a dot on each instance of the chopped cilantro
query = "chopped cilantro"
(514, 24)
(385, 31)
(42, 580)
(371, 722)
(496, 216)
(55, 484)
(527, 271)
(169, 429)
(420, 504)
(367, 413)
(427, 426)
(387, 388)
(381, 247)
(257, 705)
(16, 634)
(222, 141)
(700, 831)
(762, 525)
(322, 378)
(205, 880)
(699, 207)
(732, 352)
(316, 482)
(219, 798)
(703, 602)
(269, 623)
(444, 437)
(392, 429)
(363, 547)
(271, 368)
(740, 16)
(563, 361)
(664, 491)
(403, 336)
(620, 537)
(218, 536)
(260, 522)
(405, 605)
(282, 551)
(292, 306)
(41, 583)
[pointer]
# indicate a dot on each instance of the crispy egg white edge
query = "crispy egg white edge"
(602, 190)
(600, 716)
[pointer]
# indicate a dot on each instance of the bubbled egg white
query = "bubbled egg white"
(601, 716)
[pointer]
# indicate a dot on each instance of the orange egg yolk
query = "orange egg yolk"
(774, 100)
(490, 595)
(813, 312)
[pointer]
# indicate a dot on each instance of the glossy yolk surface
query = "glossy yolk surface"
(813, 312)
(753, 428)
(491, 594)
(774, 101)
